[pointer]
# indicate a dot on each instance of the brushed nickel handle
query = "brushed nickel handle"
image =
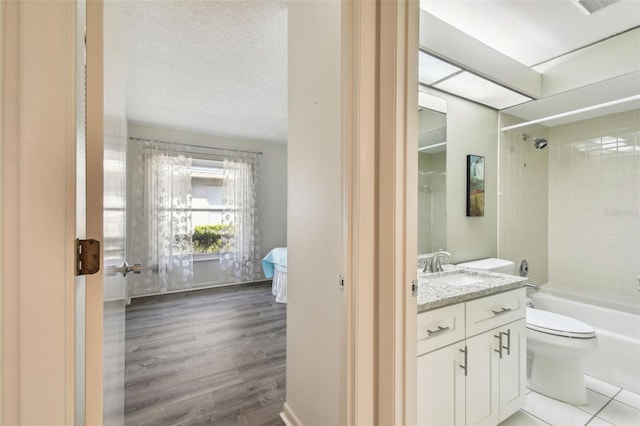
(438, 331)
(501, 311)
(499, 350)
(465, 352)
(508, 347)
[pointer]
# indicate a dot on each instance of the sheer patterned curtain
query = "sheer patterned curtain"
(241, 206)
(161, 231)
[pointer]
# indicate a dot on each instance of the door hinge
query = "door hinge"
(87, 257)
(414, 288)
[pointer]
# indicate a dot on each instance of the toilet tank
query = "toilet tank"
(492, 264)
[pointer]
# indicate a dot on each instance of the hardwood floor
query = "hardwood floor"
(213, 356)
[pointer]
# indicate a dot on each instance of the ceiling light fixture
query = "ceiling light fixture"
(592, 6)
(574, 112)
(424, 148)
(440, 74)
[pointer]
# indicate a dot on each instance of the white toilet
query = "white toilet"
(557, 343)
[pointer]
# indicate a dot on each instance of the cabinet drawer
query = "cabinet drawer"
(493, 311)
(440, 327)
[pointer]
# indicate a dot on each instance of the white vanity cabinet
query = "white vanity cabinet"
(496, 381)
(472, 361)
(441, 343)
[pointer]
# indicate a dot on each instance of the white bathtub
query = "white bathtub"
(617, 358)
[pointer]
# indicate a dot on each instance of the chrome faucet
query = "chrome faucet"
(436, 260)
(427, 264)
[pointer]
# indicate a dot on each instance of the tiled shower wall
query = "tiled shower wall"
(594, 210)
(522, 189)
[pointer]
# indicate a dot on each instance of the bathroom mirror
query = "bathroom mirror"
(432, 154)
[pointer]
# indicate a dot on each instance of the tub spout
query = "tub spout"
(532, 286)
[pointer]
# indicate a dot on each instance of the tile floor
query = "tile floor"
(608, 405)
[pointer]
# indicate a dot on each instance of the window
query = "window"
(193, 203)
(209, 233)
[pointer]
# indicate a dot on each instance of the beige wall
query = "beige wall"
(314, 213)
(471, 129)
(523, 223)
(594, 205)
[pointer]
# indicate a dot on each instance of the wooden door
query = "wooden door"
(105, 213)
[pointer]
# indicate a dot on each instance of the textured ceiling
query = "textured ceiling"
(217, 67)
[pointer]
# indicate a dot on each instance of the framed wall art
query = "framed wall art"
(475, 185)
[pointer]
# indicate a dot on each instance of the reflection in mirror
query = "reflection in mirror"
(432, 154)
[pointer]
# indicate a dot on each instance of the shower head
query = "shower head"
(537, 142)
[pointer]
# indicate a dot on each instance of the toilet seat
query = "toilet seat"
(558, 325)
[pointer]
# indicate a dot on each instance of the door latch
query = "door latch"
(87, 257)
(414, 288)
(126, 268)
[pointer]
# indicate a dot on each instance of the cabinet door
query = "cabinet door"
(483, 379)
(513, 368)
(441, 387)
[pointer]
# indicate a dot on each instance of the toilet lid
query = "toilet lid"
(559, 325)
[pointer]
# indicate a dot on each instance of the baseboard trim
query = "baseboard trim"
(288, 417)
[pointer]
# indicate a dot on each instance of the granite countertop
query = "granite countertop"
(435, 294)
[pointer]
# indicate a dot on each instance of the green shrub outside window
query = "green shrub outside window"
(212, 238)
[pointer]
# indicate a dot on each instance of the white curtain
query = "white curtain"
(161, 231)
(240, 262)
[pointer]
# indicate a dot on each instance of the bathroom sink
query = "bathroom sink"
(459, 279)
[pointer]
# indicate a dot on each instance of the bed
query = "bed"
(274, 265)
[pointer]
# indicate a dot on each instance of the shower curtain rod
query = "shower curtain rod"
(194, 148)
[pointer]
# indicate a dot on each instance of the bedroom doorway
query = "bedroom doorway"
(167, 351)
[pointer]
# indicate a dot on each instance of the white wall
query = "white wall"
(594, 210)
(274, 185)
(314, 214)
(523, 218)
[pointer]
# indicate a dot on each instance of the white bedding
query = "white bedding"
(274, 265)
(279, 286)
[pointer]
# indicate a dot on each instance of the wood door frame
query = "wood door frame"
(38, 212)
(94, 294)
(380, 151)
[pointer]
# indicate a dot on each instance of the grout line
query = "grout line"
(607, 383)
(602, 420)
(593, 416)
(533, 415)
(622, 402)
(604, 406)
